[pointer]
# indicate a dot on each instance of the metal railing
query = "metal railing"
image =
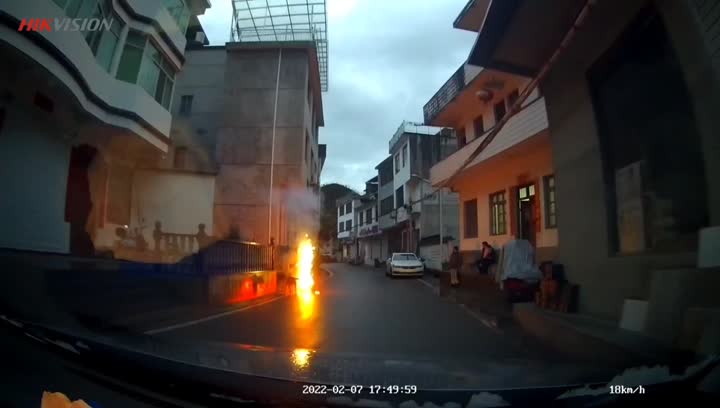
(444, 95)
(235, 256)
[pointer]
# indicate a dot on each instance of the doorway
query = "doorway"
(527, 207)
(78, 201)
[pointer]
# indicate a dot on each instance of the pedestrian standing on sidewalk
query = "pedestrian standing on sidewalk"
(455, 264)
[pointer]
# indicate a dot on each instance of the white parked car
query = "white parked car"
(404, 264)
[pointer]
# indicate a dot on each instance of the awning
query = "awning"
(518, 36)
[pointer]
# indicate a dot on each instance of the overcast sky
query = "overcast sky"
(386, 59)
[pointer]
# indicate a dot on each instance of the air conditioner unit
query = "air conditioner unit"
(200, 37)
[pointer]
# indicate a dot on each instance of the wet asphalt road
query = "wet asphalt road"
(360, 310)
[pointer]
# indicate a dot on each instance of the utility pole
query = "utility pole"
(272, 147)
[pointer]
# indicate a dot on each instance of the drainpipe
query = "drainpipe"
(272, 148)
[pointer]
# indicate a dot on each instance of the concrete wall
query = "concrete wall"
(234, 88)
(180, 201)
(202, 78)
(32, 206)
(605, 279)
(430, 217)
(672, 292)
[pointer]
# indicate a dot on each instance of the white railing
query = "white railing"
(526, 123)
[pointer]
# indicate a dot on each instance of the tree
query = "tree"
(328, 216)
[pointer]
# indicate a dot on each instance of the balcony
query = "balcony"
(449, 91)
(531, 120)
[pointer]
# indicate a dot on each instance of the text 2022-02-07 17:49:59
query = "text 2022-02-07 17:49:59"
(358, 389)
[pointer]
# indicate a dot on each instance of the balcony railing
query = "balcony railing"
(444, 95)
(526, 123)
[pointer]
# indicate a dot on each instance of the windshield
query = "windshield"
(230, 184)
(404, 257)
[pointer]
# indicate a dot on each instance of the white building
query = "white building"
(347, 223)
(79, 112)
(409, 214)
(369, 235)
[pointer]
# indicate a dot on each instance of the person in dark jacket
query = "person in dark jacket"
(487, 258)
(455, 264)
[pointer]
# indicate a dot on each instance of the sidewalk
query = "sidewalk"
(481, 295)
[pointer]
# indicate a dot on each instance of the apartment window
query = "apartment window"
(498, 217)
(499, 111)
(180, 158)
(348, 208)
(142, 63)
(368, 216)
(550, 209)
(341, 227)
(386, 205)
(404, 155)
(180, 12)
(397, 163)
(360, 218)
(461, 141)
(342, 209)
(348, 225)
(102, 42)
(478, 126)
(186, 105)
(471, 219)
(399, 197)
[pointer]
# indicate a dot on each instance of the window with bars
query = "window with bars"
(368, 216)
(470, 218)
(498, 216)
(550, 205)
(361, 216)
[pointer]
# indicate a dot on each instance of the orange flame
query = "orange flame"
(305, 281)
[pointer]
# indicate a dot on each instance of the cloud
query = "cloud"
(386, 60)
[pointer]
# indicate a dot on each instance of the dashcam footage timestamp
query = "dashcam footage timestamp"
(358, 389)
